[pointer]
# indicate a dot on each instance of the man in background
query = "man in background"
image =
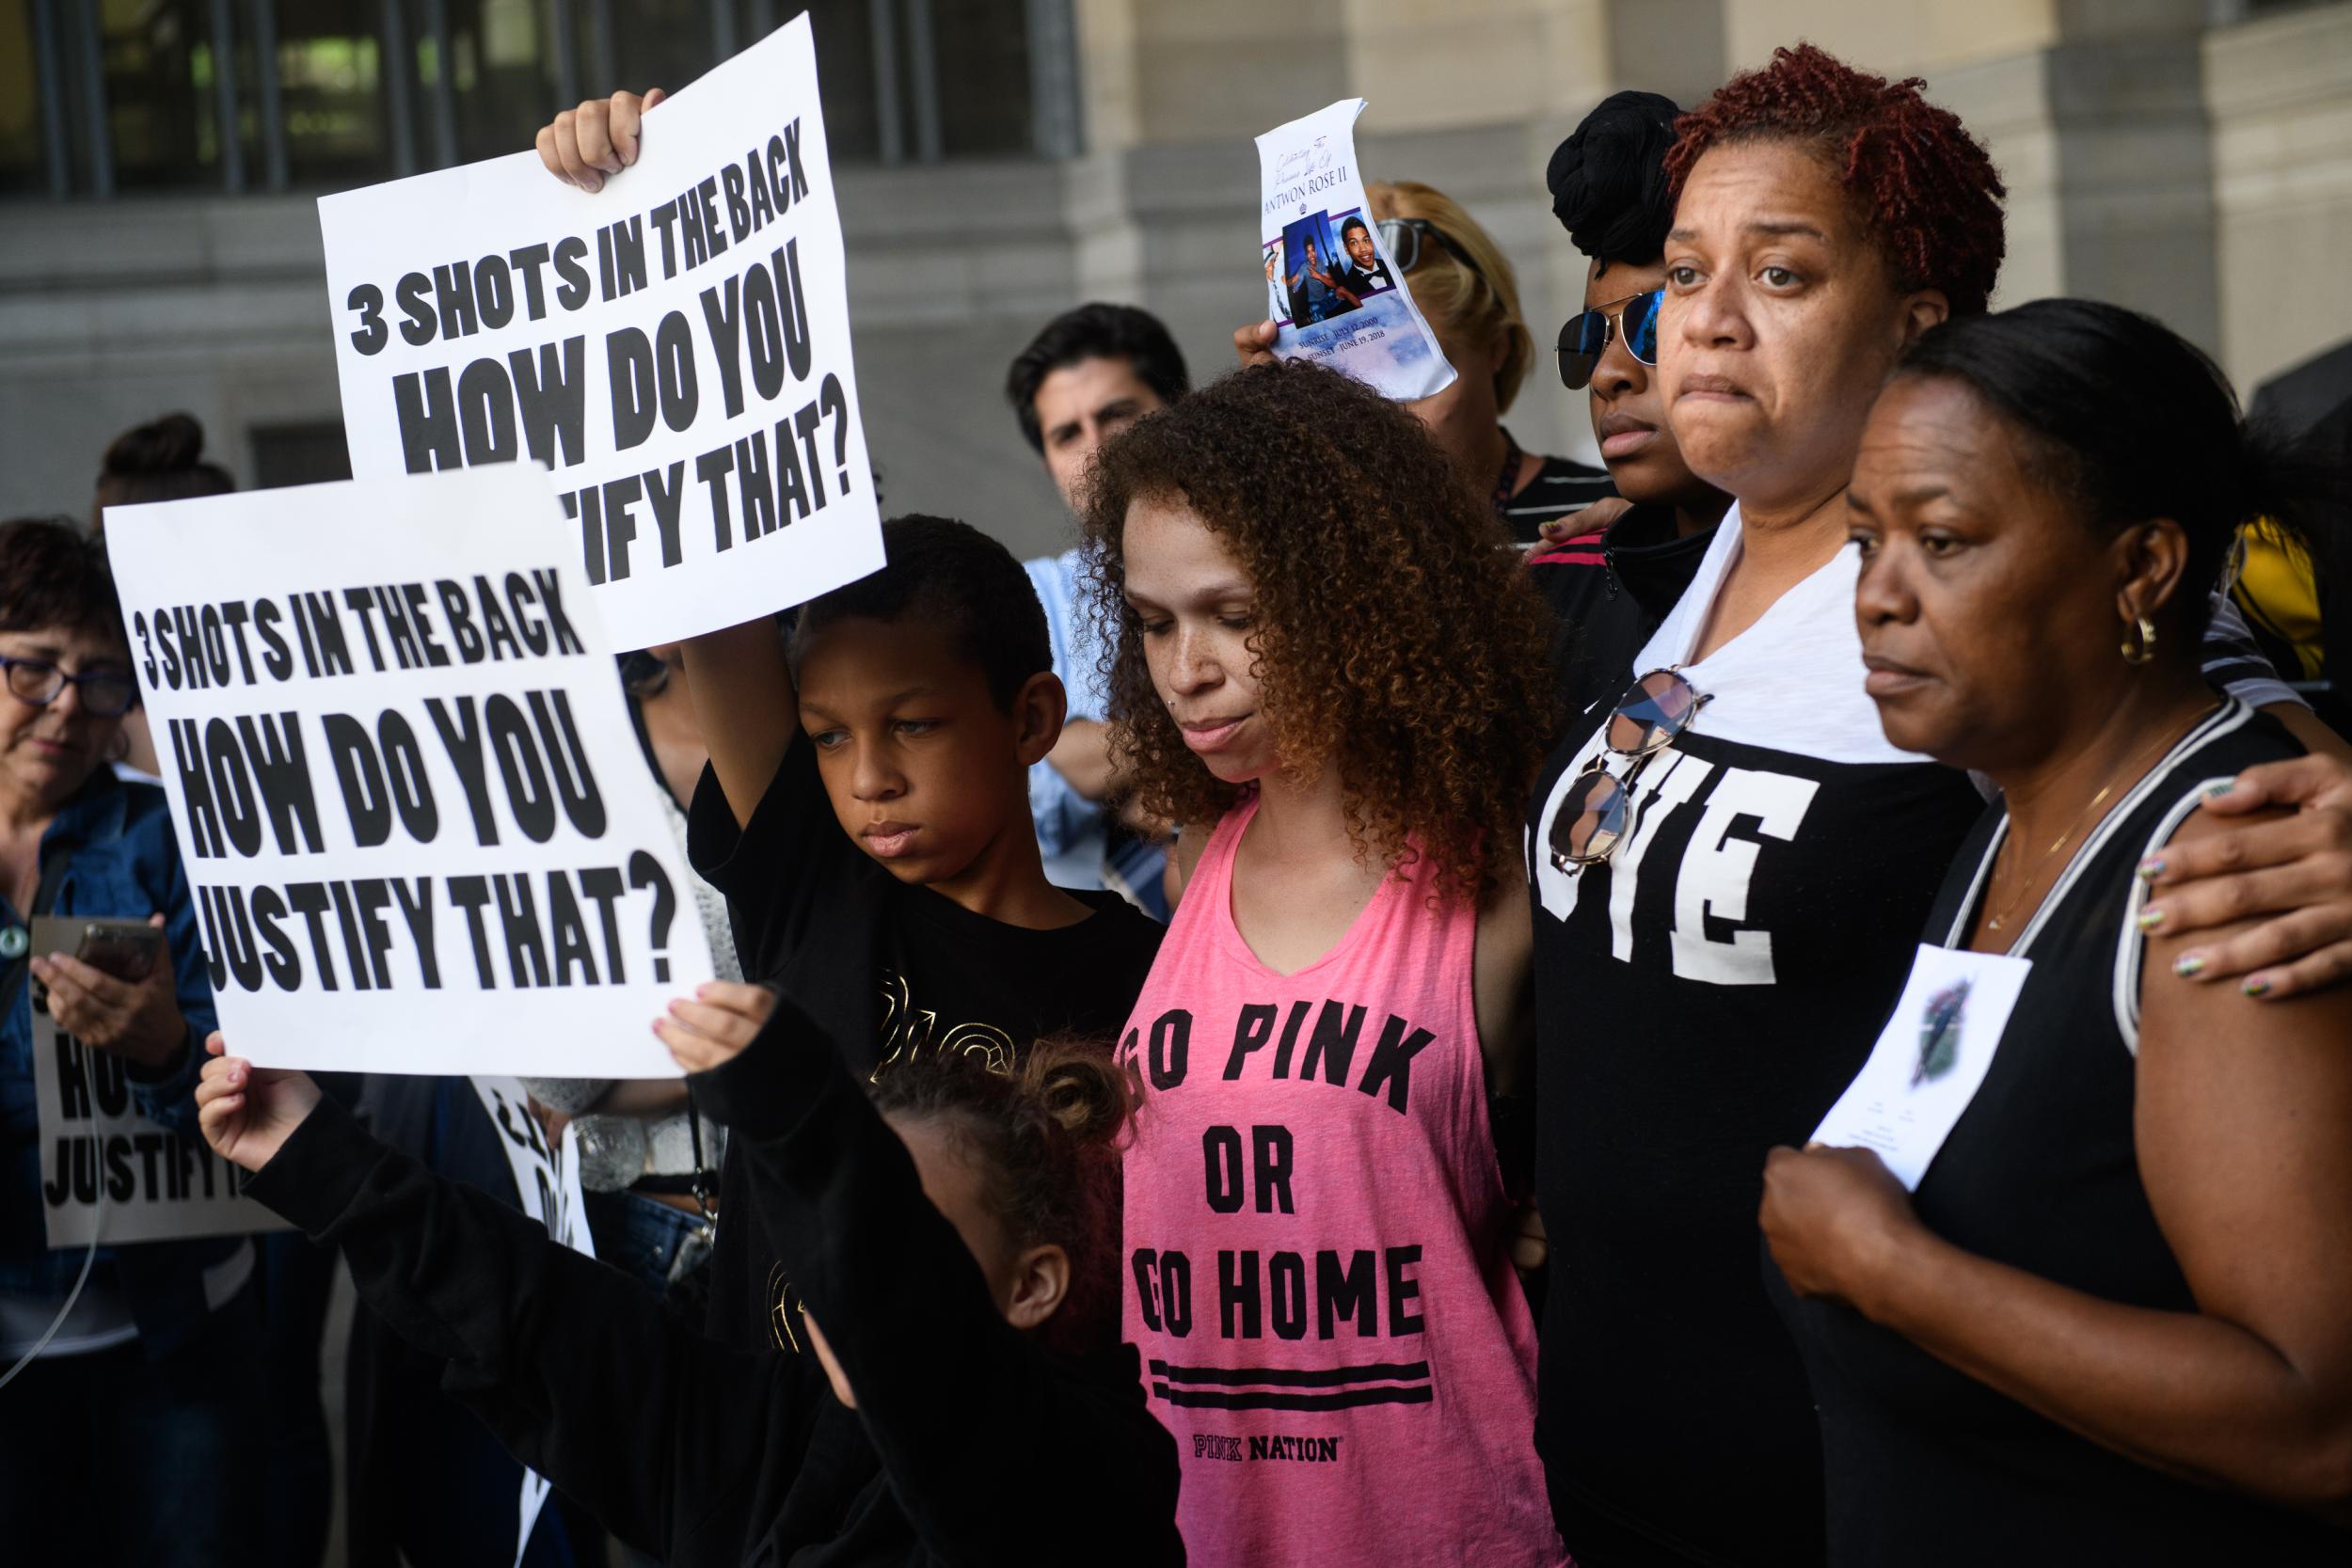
(1089, 374)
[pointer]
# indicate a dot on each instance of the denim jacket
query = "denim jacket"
(111, 849)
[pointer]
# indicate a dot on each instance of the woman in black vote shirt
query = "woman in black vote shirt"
(2127, 1278)
(1713, 961)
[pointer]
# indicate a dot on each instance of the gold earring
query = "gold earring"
(2146, 648)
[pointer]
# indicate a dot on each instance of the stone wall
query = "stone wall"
(2203, 174)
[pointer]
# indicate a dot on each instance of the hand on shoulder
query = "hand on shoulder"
(2261, 877)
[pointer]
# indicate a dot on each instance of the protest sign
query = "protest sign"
(1336, 292)
(419, 832)
(106, 1171)
(676, 348)
(548, 1181)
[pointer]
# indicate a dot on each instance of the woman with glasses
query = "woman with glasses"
(1471, 297)
(2118, 1296)
(1611, 589)
(1317, 1217)
(1729, 861)
(151, 1365)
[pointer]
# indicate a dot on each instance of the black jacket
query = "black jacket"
(1605, 611)
(971, 1444)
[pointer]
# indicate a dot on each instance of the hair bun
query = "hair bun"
(173, 444)
(1608, 187)
(1079, 1087)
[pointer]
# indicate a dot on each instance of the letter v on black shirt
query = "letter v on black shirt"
(972, 1444)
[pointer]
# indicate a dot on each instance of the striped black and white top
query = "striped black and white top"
(1562, 486)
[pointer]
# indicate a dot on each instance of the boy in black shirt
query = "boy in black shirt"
(908, 711)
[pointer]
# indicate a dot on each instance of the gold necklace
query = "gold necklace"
(2130, 776)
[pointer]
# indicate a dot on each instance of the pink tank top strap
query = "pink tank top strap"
(1212, 875)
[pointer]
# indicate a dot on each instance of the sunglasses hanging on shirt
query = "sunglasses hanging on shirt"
(1597, 810)
(1584, 336)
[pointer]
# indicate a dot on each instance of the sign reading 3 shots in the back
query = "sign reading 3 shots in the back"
(418, 829)
(674, 348)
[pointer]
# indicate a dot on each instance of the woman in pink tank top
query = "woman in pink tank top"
(1329, 661)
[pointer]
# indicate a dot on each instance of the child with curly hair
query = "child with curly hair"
(1326, 663)
(952, 1235)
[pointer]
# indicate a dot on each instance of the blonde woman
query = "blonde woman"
(1471, 296)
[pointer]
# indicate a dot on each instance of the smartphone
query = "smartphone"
(126, 949)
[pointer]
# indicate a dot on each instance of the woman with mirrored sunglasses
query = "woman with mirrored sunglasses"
(1716, 954)
(1610, 591)
(156, 1360)
(1470, 295)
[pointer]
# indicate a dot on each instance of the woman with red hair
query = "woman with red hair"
(1730, 867)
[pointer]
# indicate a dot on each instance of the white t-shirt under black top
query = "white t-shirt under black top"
(1705, 995)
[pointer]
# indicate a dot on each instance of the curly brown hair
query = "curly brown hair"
(1397, 636)
(1928, 188)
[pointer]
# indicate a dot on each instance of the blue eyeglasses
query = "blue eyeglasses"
(1585, 335)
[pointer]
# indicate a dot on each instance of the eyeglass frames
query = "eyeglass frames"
(1584, 336)
(106, 693)
(1403, 237)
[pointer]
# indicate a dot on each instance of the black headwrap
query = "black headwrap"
(1609, 179)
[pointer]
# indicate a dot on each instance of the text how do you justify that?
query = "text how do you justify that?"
(250, 786)
(532, 401)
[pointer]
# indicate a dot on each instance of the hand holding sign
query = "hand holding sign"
(247, 1113)
(582, 146)
(1254, 344)
(140, 1020)
(711, 1029)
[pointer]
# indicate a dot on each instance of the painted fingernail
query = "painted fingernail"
(2218, 790)
(2256, 985)
(2189, 965)
(2149, 919)
(2152, 868)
